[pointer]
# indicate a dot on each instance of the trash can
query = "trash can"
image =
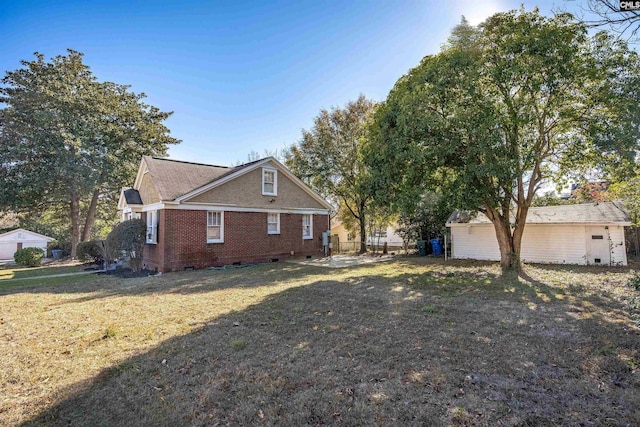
(422, 247)
(57, 253)
(436, 246)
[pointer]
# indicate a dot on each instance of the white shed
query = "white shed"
(17, 239)
(586, 234)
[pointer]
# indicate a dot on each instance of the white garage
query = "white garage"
(17, 239)
(587, 234)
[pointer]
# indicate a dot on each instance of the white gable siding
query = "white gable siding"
(475, 242)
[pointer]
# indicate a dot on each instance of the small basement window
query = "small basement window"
(597, 237)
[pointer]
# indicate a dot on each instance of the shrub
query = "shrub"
(127, 239)
(634, 281)
(91, 251)
(29, 257)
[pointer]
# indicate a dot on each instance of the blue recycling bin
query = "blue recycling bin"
(436, 246)
(57, 253)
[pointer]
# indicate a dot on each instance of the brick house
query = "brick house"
(203, 215)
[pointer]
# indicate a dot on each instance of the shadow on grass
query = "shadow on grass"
(178, 282)
(386, 349)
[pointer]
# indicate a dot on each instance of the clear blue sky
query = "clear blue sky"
(242, 76)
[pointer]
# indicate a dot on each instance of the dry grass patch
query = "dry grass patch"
(412, 341)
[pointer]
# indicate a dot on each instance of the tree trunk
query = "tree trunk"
(363, 229)
(91, 216)
(509, 241)
(74, 211)
(636, 230)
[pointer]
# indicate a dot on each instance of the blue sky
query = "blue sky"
(242, 76)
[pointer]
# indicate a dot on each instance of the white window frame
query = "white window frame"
(310, 236)
(275, 182)
(221, 225)
(277, 223)
(152, 227)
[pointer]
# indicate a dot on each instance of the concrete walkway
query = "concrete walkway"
(340, 261)
(79, 273)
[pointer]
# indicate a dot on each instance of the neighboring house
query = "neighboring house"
(201, 215)
(351, 241)
(590, 233)
(17, 239)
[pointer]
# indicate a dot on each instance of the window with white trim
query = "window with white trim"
(215, 227)
(307, 226)
(269, 182)
(152, 227)
(273, 223)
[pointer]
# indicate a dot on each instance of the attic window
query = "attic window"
(269, 182)
(20, 235)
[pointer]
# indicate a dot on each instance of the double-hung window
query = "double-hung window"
(269, 182)
(273, 223)
(307, 227)
(215, 227)
(152, 227)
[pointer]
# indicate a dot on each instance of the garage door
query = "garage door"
(7, 249)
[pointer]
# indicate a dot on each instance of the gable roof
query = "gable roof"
(173, 178)
(47, 238)
(177, 180)
(585, 213)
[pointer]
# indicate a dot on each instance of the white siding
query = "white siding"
(9, 242)
(554, 244)
(7, 249)
(393, 239)
(619, 249)
(475, 242)
(551, 244)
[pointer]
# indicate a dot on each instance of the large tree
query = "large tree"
(329, 158)
(69, 139)
(503, 108)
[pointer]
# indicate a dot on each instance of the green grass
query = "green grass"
(9, 272)
(49, 281)
(407, 342)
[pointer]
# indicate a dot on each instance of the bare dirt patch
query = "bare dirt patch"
(406, 342)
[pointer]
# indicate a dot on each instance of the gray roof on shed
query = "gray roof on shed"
(585, 213)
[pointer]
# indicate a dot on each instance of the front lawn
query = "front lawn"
(8, 272)
(411, 341)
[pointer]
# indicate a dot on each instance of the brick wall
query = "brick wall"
(182, 240)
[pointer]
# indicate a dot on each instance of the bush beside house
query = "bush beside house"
(29, 257)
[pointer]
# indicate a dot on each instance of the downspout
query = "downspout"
(329, 230)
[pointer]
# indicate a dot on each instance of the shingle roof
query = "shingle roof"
(132, 197)
(174, 178)
(594, 213)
